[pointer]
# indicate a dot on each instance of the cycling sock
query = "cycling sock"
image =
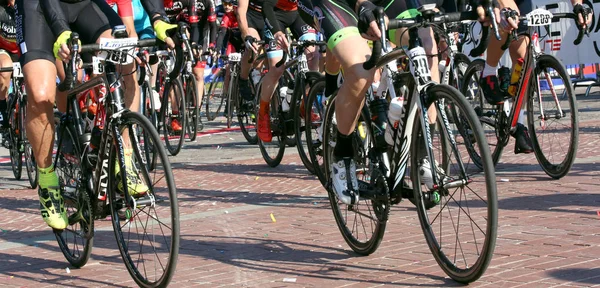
(489, 70)
(264, 107)
(343, 147)
(522, 117)
(47, 177)
(330, 83)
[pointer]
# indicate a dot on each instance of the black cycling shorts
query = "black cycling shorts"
(292, 20)
(255, 20)
(89, 18)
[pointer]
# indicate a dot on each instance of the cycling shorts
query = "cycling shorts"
(525, 6)
(89, 18)
(292, 20)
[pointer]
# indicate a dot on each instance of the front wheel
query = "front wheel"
(552, 117)
(273, 151)
(461, 230)
(192, 107)
(314, 130)
(362, 224)
(215, 97)
(146, 227)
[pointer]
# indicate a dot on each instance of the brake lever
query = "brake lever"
(490, 11)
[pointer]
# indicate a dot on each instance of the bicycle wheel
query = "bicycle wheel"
(461, 64)
(16, 154)
(192, 107)
(363, 224)
(150, 113)
(491, 117)
(467, 196)
(299, 102)
(30, 165)
(146, 229)
(247, 119)
(173, 115)
(314, 131)
(76, 241)
(273, 151)
(215, 97)
(553, 120)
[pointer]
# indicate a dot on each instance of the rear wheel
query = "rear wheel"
(76, 240)
(192, 107)
(273, 151)
(302, 121)
(215, 97)
(16, 153)
(490, 116)
(173, 116)
(247, 120)
(314, 131)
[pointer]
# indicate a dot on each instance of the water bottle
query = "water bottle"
(378, 109)
(394, 115)
(255, 75)
(285, 105)
(514, 79)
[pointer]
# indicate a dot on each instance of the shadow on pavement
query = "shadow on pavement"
(274, 256)
(576, 274)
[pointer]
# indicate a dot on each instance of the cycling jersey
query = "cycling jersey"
(196, 12)
(7, 30)
(230, 33)
(141, 20)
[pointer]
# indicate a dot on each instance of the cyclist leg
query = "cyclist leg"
(305, 32)
(37, 60)
(255, 24)
(351, 50)
(517, 50)
(5, 77)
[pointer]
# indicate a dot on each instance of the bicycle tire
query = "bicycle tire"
(193, 111)
(489, 116)
(461, 63)
(16, 156)
(299, 102)
(247, 121)
(274, 158)
(563, 167)
(149, 109)
(30, 165)
(76, 198)
(474, 271)
(314, 144)
(210, 97)
(166, 199)
(381, 208)
(175, 146)
(231, 101)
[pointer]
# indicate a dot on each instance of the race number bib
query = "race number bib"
(539, 17)
(117, 50)
(17, 71)
(235, 57)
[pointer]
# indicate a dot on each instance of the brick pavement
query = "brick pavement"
(548, 232)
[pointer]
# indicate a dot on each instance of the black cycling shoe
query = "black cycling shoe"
(522, 140)
(245, 91)
(491, 90)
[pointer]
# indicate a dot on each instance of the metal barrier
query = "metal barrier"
(581, 81)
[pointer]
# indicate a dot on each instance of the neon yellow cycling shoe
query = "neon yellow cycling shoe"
(135, 185)
(52, 207)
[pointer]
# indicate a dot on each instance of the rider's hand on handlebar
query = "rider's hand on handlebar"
(161, 27)
(282, 41)
(367, 22)
(581, 13)
(61, 49)
(249, 41)
(505, 22)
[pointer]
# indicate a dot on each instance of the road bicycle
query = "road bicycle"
(288, 120)
(464, 197)
(552, 114)
(16, 135)
(92, 179)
